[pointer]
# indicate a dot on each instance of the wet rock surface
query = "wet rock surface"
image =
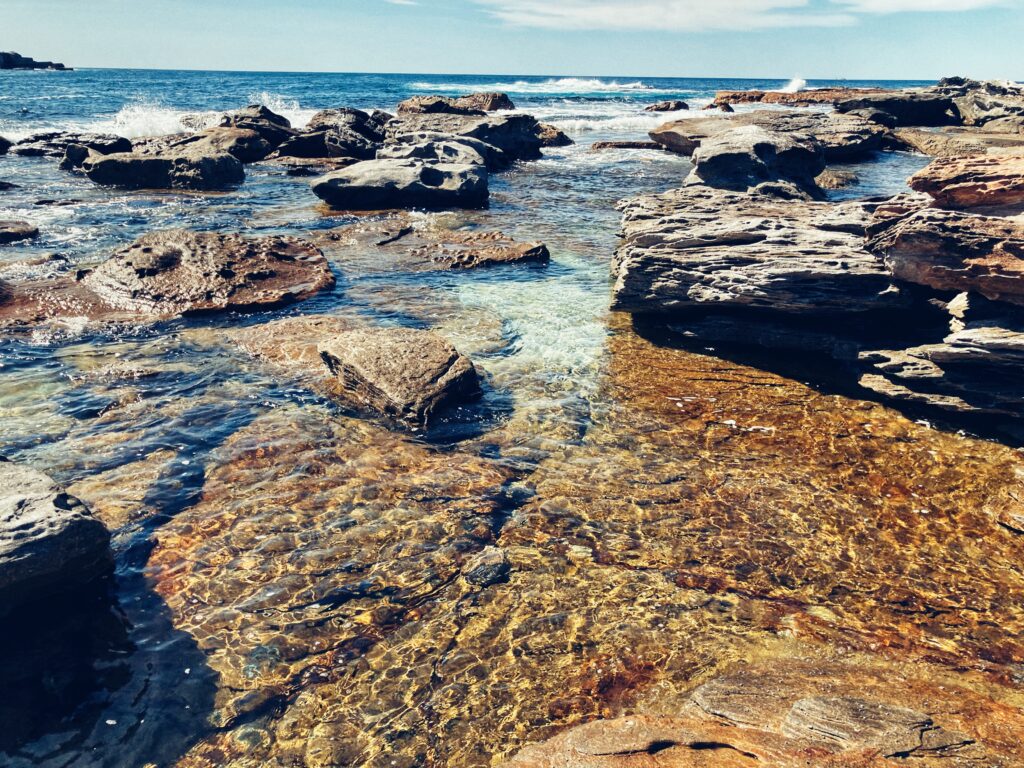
(190, 166)
(385, 184)
(14, 231)
(49, 541)
(742, 158)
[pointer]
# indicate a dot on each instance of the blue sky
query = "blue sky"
(735, 38)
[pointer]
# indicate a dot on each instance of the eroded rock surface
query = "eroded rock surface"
(974, 181)
(742, 158)
(190, 166)
(385, 184)
(515, 135)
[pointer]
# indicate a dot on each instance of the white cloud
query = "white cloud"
(922, 6)
(402, 2)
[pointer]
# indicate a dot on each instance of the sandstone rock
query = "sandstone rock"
(347, 119)
(550, 136)
(804, 98)
(516, 135)
(49, 541)
(13, 231)
(744, 157)
(178, 271)
(486, 102)
(953, 251)
(272, 127)
(833, 179)
(407, 374)
(908, 108)
(496, 159)
(191, 166)
(974, 181)
(443, 151)
(244, 144)
(671, 105)
(429, 105)
(55, 143)
(703, 248)
(954, 141)
(331, 142)
(384, 184)
(980, 103)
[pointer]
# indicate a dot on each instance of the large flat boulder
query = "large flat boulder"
(178, 271)
(418, 143)
(974, 181)
(516, 135)
(386, 184)
(402, 373)
(956, 251)
(908, 108)
(245, 144)
(954, 141)
(272, 127)
(742, 158)
(370, 125)
(55, 143)
(699, 248)
(804, 98)
(189, 166)
(445, 150)
(337, 141)
(49, 541)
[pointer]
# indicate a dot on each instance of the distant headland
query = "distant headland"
(11, 60)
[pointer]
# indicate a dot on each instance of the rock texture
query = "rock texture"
(13, 231)
(804, 98)
(431, 143)
(472, 104)
(671, 105)
(907, 108)
(975, 181)
(402, 373)
(703, 248)
(551, 136)
(742, 158)
(189, 166)
(178, 271)
(954, 141)
(49, 541)
(518, 136)
(55, 143)
(385, 184)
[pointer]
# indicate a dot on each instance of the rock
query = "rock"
(516, 135)
(272, 127)
(347, 119)
(430, 105)
(6, 185)
(876, 116)
(495, 158)
(742, 158)
(980, 103)
(412, 245)
(188, 166)
(444, 151)
(711, 249)
(55, 143)
(908, 108)
(244, 144)
(844, 138)
(487, 567)
(833, 179)
(74, 157)
(49, 541)
(407, 374)
(953, 251)
(11, 60)
(384, 184)
(5, 144)
(597, 146)
(331, 142)
(804, 98)
(486, 102)
(975, 181)
(672, 105)
(954, 141)
(550, 136)
(178, 271)
(13, 231)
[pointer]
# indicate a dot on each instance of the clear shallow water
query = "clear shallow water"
(139, 448)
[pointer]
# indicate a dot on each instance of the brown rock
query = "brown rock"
(955, 141)
(803, 98)
(975, 181)
(833, 179)
(486, 102)
(550, 136)
(672, 105)
(432, 105)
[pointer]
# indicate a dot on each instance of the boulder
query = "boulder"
(272, 127)
(908, 108)
(244, 144)
(700, 248)
(833, 179)
(177, 271)
(974, 181)
(516, 135)
(550, 136)
(189, 166)
(348, 119)
(486, 102)
(955, 251)
(495, 158)
(979, 103)
(431, 105)
(444, 151)
(384, 184)
(954, 141)
(49, 541)
(55, 143)
(13, 231)
(745, 157)
(339, 141)
(400, 372)
(672, 105)
(5, 144)
(844, 138)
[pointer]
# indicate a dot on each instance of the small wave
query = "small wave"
(298, 116)
(553, 85)
(795, 85)
(140, 119)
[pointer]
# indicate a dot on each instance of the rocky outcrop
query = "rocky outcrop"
(472, 104)
(516, 135)
(742, 158)
(552, 136)
(974, 181)
(244, 144)
(347, 119)
(804, 98)
(843, 138)
(699, 248)
(442, 150)
(272, 127)
(49, 541)
(13, 231)
(907, 108)
(5, 144)
(671, 105)
(386, 184)
(401, 144)
(55, 144)
(331, 142)
(953, 141)
(11, 60)
(488, 101)
(406, 374)
(189, 166)
(178, 271)
(954, 251)
(985, 103)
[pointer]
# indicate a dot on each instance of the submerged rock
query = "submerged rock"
(975, 181)
(13, 231)
(384, 184)
(407, 374)
(49, 541)
(704, 248)
(179, 271)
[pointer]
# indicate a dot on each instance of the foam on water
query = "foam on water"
(553, 85)
(298, 116)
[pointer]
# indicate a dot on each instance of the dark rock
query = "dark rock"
(347, 120)
(403, 373)
(177, 271)
(745, 157)
(672, 105)
(431, 105)
(5, 144)
(55, 144)
(516, 135)
(550, 136)
(11, 60)
(876, 116)
(74, 157)
(602, 145)
(715, 250)
(908, 108)
(272, 127)
(338, 141)
(833, 179)
(384, 184)
(244, 144)
(13, 231)
(487, 567)
(6, 185)
(49, 541)
(188, 166)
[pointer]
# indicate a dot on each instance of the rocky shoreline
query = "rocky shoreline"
(725, 567)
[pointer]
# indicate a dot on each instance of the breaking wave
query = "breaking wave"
(553, 85)
(794, 86)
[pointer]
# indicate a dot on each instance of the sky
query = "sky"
(826, 39)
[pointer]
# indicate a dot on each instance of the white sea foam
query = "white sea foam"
(553, 85)
(794, 86)
(298, 116)
(139, 119)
